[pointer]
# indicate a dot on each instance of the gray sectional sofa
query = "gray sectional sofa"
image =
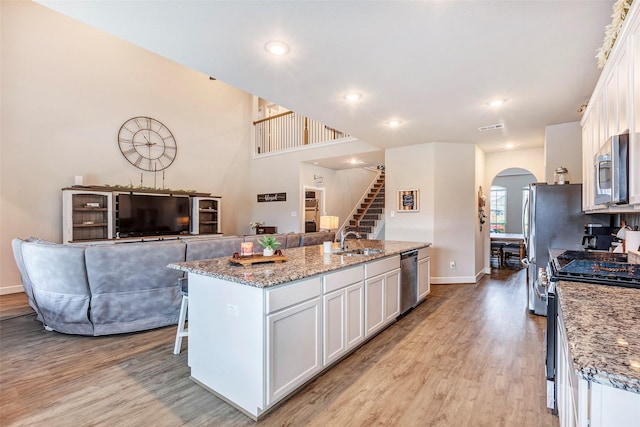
(111, 288)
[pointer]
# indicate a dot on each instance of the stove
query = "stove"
(601, 273)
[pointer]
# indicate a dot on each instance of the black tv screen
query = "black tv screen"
(146, 215)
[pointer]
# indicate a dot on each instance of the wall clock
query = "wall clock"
(147, 144)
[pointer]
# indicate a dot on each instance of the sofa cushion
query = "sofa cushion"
(293, 240)
(316, 238)
(131, 287)
(58, 279)
(198, 249)
(16, 245)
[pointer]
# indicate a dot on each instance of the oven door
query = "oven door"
(550, 360)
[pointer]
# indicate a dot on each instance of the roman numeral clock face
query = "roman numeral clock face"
(147, 144)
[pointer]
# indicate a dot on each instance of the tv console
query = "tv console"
(90, 213)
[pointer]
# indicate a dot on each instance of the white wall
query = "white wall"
(445, 175)
(563, 147)
(66, 90)
(479, 234)
(286, 173)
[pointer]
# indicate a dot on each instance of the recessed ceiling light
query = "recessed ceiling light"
(496, 102)
(394, 123)
(509, 146)
(352, 96)
(354, 161)
(277, 48)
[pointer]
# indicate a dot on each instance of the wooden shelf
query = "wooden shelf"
(116, 189)
(89, 225)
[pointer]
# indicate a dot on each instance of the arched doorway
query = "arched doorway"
(507, 199)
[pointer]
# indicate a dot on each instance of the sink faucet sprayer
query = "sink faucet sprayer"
(344, 235)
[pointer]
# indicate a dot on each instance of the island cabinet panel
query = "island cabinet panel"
(226, 336)
(382, 293)
(374, 296)
(335, 325)
(343, 305)
(294, 348)
(355, 314)
(289, 294)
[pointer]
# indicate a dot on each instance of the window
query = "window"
(498, 214)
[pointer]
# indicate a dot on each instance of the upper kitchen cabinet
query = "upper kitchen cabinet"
(634, 139)
(614, 108)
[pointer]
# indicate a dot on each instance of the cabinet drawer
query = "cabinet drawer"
(342, 278)
(293, 293)
(382, 266)
(423, 253)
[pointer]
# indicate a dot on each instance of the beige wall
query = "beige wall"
(563, 147)
(66, 90)
(445, 174)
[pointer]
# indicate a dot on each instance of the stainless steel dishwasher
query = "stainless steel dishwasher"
(408, 280)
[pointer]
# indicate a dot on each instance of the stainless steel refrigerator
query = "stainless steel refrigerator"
(555, 221)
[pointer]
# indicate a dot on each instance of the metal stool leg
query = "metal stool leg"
(182, 332)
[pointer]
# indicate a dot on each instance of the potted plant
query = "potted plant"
(269, 244)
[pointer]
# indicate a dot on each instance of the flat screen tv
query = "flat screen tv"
(151, 215)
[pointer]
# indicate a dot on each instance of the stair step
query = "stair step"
(374, 204)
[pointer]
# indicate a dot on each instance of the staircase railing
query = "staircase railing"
(345, 224)
(371, 200)
(291, 130)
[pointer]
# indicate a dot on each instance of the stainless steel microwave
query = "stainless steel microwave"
(612, 172)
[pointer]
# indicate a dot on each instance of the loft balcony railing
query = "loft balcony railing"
(290, 130)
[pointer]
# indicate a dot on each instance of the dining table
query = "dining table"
(510, 238)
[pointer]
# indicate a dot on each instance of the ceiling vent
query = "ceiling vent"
(491, 127)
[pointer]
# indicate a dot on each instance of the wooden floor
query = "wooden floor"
(471, 355)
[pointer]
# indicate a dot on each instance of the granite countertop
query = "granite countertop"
(603, 330)
(301, 262)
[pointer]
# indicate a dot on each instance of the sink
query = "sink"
(360, 252)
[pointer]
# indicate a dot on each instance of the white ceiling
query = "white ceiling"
(434, 65)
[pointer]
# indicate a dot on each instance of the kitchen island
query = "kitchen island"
(598, 366)
(259, 333)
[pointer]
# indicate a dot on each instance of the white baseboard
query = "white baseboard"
(487, 270)
(11, 290)
(453, 280)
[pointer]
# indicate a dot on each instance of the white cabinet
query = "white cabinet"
(382, 293)
(588, 404)
(86, 215)
(343, 321)
(424, 281)
(634, 137)
(567, 381)
(294, 343)
(343, 312)
(374, 295)
(614, 108)
(205, 215)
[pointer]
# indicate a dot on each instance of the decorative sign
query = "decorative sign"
(408, 200)
(273, 197)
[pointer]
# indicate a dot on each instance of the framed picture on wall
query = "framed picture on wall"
(408, 200)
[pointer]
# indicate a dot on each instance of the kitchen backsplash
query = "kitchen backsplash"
(632, 219)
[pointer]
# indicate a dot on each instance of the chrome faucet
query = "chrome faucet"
(344, 235)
